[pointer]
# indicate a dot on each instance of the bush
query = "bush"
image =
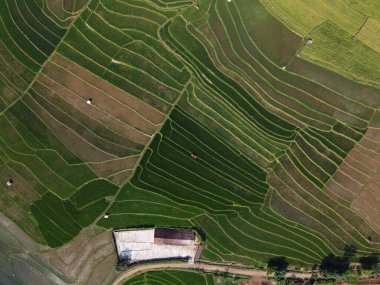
(335, 264)
(369, 261)
(278, 263)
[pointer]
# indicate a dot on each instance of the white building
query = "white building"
(160, 243)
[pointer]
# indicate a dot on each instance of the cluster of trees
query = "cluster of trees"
(330, 264)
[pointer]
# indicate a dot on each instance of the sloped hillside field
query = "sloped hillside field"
(174, 277)
(255, 122)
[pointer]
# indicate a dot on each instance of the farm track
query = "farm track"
(203, 267)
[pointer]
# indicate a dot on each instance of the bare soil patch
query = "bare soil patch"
(122, 176)
(356, 163)
(102, 116)
(110, 167)
(72, 140)
(56, 7)
(147, 111)
(347, 181)
(72, 259)
(359, 175)
(91, 262)
(354, 173)
(104, 272)
(340, 190)
(66, 82)
(364, 158)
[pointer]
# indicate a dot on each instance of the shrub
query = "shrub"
(369, 261)
(335, 264)
(278, 263)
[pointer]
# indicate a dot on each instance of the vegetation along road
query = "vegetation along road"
(201, 266)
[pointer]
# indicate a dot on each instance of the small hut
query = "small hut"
(194, 155)
(309, 41)
(10, 182)
(89, 101)
(106, 215)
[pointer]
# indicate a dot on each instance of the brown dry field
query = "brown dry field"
(80, 262)
(68, 83)
(347, 181)
(101, 116)
(360, 157)
(355, 173)
(12, 76)
(24, 184)
(21, 75)
(354, 162)
(372, 145)
(56, 7)
(116, 137)
(339, 190)
(83, 259)
(8, 95)
(299, 211)
(369, 152)
(122, 176)
(325, 208)
(140, 107)
(111, 167)
(289, 210)
(93, 263)
(357, 178)
(102, 100)
(86, 126)
(104, 271)
(73, 141)
(374, 186)
(15, 201)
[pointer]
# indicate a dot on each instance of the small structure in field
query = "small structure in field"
(194, 155)
(196, 5)
(309, 41)
(142, 245)
(106, 215)
(9, 182)
(89, 101)
(229, 0)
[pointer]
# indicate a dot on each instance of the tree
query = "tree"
(278, 263)
(369, 261)
(349, 251)
(335, 264)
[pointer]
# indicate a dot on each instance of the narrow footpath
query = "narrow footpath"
(202, 266)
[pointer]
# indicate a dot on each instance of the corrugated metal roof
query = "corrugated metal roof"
(178, 234)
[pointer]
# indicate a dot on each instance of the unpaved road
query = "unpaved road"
(207, 267)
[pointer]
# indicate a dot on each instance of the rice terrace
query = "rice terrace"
(189, 141)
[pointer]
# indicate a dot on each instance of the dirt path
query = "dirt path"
(204, 266)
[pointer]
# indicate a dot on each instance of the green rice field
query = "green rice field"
(178, 277)
(103, 103)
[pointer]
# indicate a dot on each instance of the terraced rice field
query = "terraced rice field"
(286, 133)
(172, 277)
